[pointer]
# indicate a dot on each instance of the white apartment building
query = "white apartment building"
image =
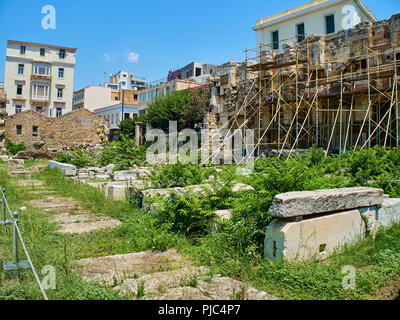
(128, 80)
(317, 17)
(39, 77)
(92, 98)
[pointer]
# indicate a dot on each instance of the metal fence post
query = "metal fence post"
(3, 201)
(15, 217)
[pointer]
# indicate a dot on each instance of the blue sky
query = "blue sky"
(157, 35)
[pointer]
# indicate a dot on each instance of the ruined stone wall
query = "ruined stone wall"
(40, 133)
(284, 85)
(3, 103)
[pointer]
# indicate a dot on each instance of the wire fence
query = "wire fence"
(17, 238)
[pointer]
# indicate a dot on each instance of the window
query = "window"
(22, 50)
(41, 69)
(19, 89)
(116, 98)
(21, 68)
(58, 112)
(62, 53)
(300, 29)
(38, 108)
(61, 73)
(135, 97)
(18, 109)
(275, 40)
(19, 129)
(330, 24)
(35, 130)
(42, 52)
(59, 93)
(198, 72)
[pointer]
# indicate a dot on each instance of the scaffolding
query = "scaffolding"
(300, 99)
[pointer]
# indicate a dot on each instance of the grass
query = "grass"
(377, 261)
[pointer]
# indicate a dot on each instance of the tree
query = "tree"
(187, 107)
(128, 126)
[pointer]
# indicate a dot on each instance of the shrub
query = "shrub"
(178, 175)
(124, 153)
(14, 148)
(78, 157)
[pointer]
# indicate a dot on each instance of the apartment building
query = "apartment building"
(116, 113)
(152, 92)
(197, 71)
(317, 17)
(128, 81)
(39, 77)
(92, 97)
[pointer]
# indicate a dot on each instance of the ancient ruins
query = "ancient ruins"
(330, 91)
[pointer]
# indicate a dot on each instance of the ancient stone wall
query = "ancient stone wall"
(330, 91)
(3, 102)
(40, 133)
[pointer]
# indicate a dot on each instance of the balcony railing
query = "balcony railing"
(40, 98)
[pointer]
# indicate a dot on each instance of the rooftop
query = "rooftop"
(40, 45)
(314, 4)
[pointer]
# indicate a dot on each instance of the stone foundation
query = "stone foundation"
(299, 234)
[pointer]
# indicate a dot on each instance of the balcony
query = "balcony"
(40, 98)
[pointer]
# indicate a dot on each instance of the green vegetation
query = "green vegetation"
(186, 107)
(124, 153)
(14, 148)
(179, 175)
(235, 248)
(127, 127)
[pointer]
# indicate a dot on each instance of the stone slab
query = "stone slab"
(294, 204)
(311, 238)
(179, 285)
(389, 213)
(84, 223)
(125, 175)
(21, 174)
(15, 163)
(124, 265)
(69, 170)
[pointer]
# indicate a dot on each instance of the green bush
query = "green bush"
(123, 153)
(14, 148)
(178, 175)
(78, 157)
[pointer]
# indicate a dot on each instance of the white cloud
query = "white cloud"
(109, 56)
(133, 57)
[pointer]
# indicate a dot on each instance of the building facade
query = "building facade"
(148, 95)
(39, 77)
(52, 135)
(128, 81)
(92, 97)
(199, 72)
(318, 17)
(115, 113)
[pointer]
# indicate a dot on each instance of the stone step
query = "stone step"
(20, 174)
(191, 283)
(128, 265)
(84, 223)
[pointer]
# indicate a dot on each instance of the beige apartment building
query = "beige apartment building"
(39, 77)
